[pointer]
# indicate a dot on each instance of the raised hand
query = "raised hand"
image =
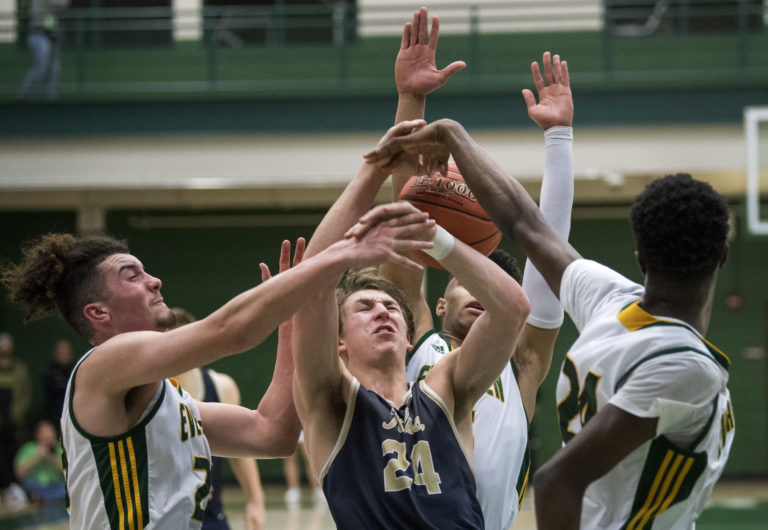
(555, 106)
(388, 231)
(285, 258)
(415, 70)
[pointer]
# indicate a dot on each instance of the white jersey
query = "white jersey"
(500, 428)
(651, 367)
(155, 476)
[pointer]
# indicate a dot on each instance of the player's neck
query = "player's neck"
(690, 302)
(452, 338)
(386, 383)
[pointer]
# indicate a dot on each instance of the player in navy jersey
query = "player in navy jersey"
(388, 454)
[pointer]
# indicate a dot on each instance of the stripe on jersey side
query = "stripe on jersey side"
(522, 478)
(669, 475)
(122, 466)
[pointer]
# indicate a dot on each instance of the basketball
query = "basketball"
(448, 200)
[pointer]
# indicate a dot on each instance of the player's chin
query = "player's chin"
(165, 317)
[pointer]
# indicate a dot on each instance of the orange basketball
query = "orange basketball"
(448, 200)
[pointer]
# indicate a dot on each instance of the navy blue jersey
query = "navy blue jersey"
(400, 468)
(214, 518)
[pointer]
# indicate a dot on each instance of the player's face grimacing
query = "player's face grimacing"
(372, 320)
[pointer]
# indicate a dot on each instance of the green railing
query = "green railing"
(340, 48)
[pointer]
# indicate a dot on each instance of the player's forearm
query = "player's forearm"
(509, 205)
(555, 204)
(502, 197)
(277, 403)
(557, 502)
(245, 321)
(410, 107)
(238, 432)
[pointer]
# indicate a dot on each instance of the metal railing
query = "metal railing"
(340, 48)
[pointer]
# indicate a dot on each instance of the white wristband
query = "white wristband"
(443, 242)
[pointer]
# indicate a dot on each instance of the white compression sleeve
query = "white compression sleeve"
(555, 203)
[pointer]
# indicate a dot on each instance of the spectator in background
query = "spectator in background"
(38, 465)
(15, 395)
(55, 378)
(44, 42)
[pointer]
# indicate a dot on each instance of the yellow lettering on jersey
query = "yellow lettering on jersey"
(192, 422)
(190, 426)
(497, 390)
(404, 425)
(727, 423)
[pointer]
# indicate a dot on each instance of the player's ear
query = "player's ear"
(440, 308)
(641, 262)
(343, 350)
(96, 312)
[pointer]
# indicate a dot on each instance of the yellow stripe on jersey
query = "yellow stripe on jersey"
(634, 317)
(521, 493)
(652, 493)
(126, 485)
(135, 477)
(678, 483)
(175, 384)
(659, 499)
(116, 486)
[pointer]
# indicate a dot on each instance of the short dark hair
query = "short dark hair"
(58, 272)
(506, 261)
(369, 278)
(681, 227)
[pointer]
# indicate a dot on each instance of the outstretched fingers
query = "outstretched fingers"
(298, 254)
(265, 273)
(423, 18)
(414, 36)
(538, 80)
(452, 68)
(434, 35)
(565, 77)
(556, 74)
(530, 99)
(406, 40)
(546, 61)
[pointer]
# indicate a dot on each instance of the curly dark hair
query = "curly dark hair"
(369, 278)
(58, 273)
(681, 227)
